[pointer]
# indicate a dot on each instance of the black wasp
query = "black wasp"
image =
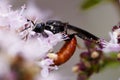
(56, 26)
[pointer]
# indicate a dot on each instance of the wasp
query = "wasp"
(69, 47)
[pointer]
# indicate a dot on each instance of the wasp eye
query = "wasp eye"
(39, 28)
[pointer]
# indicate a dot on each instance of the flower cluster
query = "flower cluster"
(23, 52)
(95, 58)
(90, 61)
(113, 44)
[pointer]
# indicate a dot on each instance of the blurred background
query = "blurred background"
(97, 20)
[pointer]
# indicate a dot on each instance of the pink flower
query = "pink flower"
(45, 65)
(113, 45)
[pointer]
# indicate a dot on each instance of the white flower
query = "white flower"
(35, 47)
(45, 65)
(119, 78)
(4, 65)
(34, 13)
(10, 18)
(38, 47)
(112, 45)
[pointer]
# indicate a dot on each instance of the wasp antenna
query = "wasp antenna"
(31, 21)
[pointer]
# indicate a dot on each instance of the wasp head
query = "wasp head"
(39, 28)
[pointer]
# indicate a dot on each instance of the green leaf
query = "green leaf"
(113, 54)
(110, 64)
(113, 64)
(90, 3)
